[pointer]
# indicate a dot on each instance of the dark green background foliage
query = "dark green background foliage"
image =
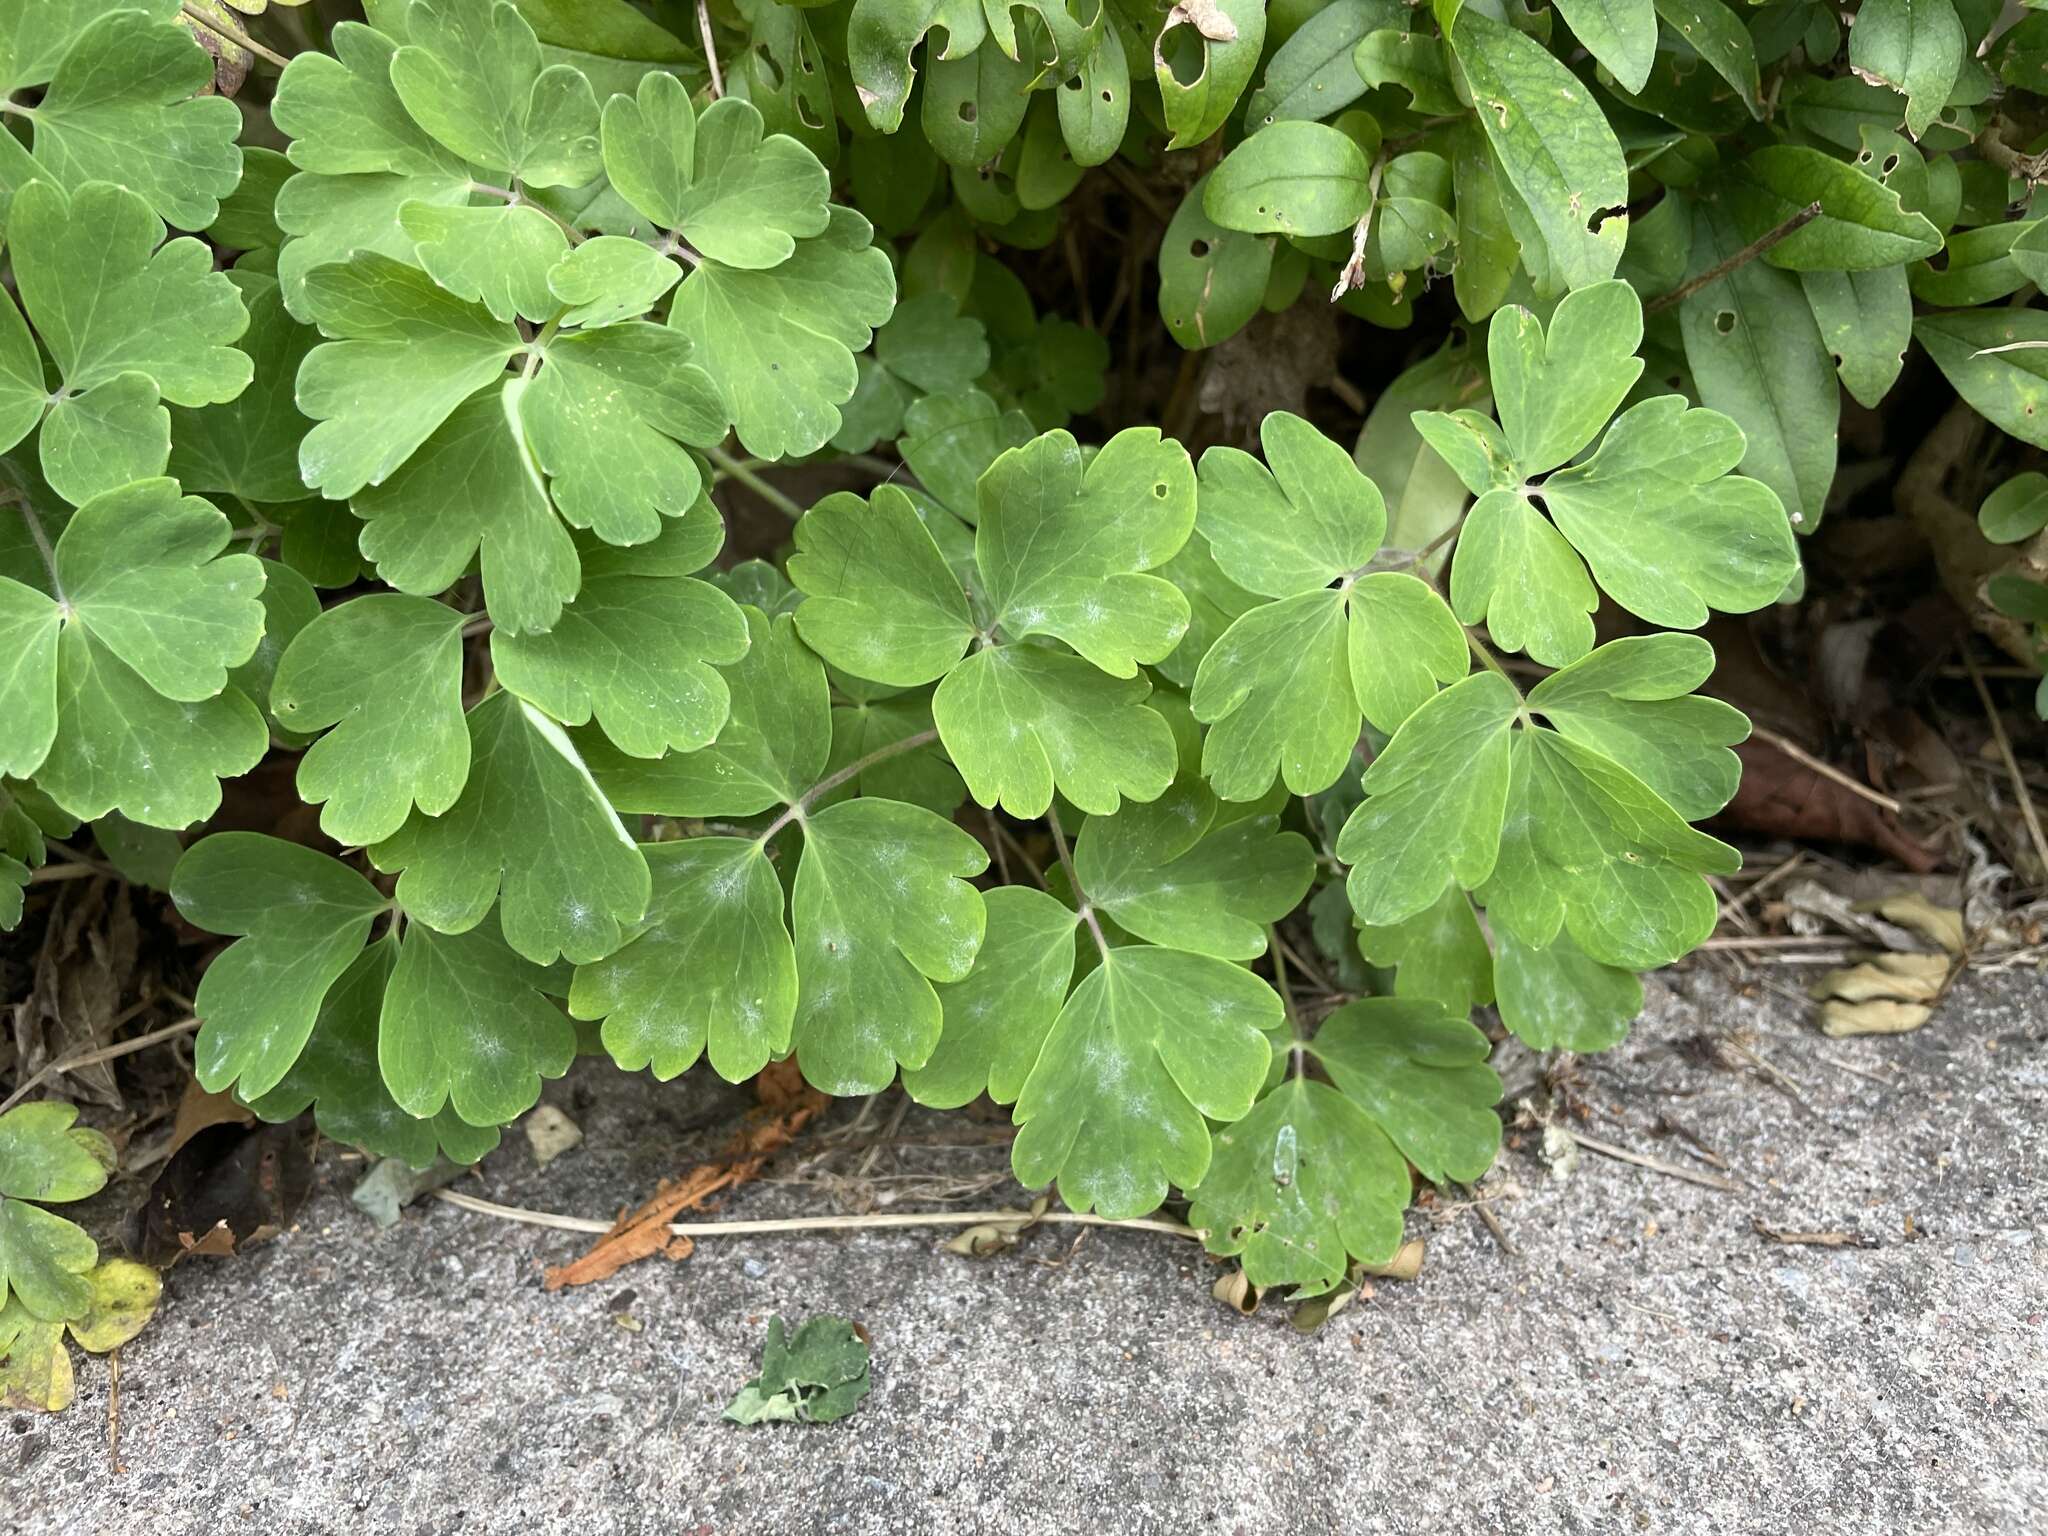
(367, 418)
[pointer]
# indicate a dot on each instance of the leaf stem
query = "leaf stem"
(1286, 989)
(223, 29)
(734, 469)
(1087, 912)
(710, 49)
(832, 781)
(1492, 664)
(1741, 258)
(42, 541)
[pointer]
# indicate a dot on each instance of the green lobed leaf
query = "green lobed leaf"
(1421, 1075)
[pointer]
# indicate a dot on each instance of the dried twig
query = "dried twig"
(1655, 1165)
(220, 28)
(697, 1229)
(94, 1057)
(1741, 258)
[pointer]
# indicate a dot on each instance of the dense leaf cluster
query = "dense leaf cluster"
(495, 291)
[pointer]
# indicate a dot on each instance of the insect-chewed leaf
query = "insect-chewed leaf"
(1555, 391)
(302, 918)
(779, 343)
(1632, 700)
(467, 1025)
(1917, 48)
(1592, 850)
(1299, 1186)
(337, 1077)
(1168, 873)
(1553, 144)
(881, 35)
(406, 353)
(1309, 519)
(1019, 720)
(130, 320)
(532, 822)
(1202, 60)
(1557, 998)
(1422, 1076)
(1668, 531)
(1150, 1042)
(637, 651)
(737, 198)
(879, 599)
(882, 909)
(384, 672)
(997, 1018)
(772, 748)
(1434, 803)
(1065, 550)
(710, 968)
(115, 695)
(470, 74)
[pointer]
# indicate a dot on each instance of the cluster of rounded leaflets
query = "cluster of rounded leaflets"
(485, 321)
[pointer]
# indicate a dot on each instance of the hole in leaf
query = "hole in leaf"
(769, 66)
(1159, 490)
(1724, 322)
(1199, 249)
(1074, 84)
(1891, 163)
(1109, 96)
(966, 111)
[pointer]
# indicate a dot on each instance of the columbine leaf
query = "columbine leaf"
(879, 599)
(45, 1155)
(498, 256)
(1150, 1043)
(1556, 391)
(1555, 998)
(406, 353)
(1440, 954)
(301, 918)
(466, 1025)
(116, 693)
(770, 751)
(1019, 721)
(338, 1078)
(779, 343)
(1422, 825)
(1516, 574)
(1275, 690)
(1422, 1076)
(249, 446)
(1308, 520)
(532, 822)
(382, 675)
(471, 75)
(1668, 531)
(1168, 873)
(123, 105)
(997, 1018)
(1065, 551)
(635, 650)
(472, 492)
(1632, 700)
(711, 968)
(609, 279)
(1299, 1185)
(128, 318)
(736, 197)
(44, 1258)
(881, 909)
(1590, 849)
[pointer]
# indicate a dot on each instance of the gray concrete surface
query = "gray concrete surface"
(1648, 1363)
